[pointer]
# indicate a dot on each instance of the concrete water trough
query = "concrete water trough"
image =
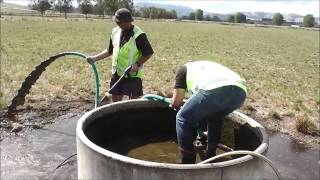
(105, 138)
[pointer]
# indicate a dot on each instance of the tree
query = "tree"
(199, 15)
(127, 4)
(40, 5)
(192, 16)
(57, 6)
(145, 12)
(161, 13)
(150, 12)
(277, 19)
(63, 6)
(86, 7)
(173, 14)
(137, 14)
(99, 8)
(153, 13)
(185, 17)
(308, 20)
(208, 18)
(231, 18)
(113, 5)
(156, 13)
(215, 18)
(240, 18)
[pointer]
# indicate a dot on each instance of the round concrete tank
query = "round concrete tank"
(97, 159)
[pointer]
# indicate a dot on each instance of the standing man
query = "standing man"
(129, 46)
(216, 92)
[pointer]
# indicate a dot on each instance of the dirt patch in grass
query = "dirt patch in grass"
(285, 123)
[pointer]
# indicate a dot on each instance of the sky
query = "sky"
(302, 7)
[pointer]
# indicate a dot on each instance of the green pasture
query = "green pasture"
(281, 66)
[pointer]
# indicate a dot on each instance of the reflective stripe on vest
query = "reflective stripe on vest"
(127, 55)
(209, 75)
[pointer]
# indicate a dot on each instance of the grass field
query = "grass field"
(281, 66)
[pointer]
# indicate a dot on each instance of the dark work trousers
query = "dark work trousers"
(211, 105)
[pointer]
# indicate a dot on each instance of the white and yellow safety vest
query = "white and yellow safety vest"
(127, 55)
(208, 75)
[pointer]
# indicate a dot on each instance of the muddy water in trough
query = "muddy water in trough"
(158, 147)
(36, 154)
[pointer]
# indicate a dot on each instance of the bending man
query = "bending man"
(216, 92)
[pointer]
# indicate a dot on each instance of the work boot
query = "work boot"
(200, 146)
(188, 157)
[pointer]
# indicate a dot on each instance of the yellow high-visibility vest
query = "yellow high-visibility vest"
(208, 75)
(127, 55)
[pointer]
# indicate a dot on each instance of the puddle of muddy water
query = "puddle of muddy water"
(159, 147)
(148, 149)
(36, 155)
(293, 160)
(162, 152)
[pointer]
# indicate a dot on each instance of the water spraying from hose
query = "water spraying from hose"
(19, 99)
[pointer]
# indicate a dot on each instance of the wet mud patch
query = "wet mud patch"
(285, 125)
(45, 139)
(293, 159)
(37, 117)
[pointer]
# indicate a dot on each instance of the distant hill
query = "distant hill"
(8, 8)
(185, 11)
(259, 15)
(288, 17)
(9, 5)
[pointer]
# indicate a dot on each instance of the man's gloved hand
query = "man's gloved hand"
(134, 67)
(176, 108)
(90, 60)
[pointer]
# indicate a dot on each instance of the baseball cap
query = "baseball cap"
(122, 15)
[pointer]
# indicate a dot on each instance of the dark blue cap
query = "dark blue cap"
(123, 15)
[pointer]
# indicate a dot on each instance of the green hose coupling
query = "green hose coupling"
(154, 97)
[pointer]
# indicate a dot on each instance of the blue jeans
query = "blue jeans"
(210, 106)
